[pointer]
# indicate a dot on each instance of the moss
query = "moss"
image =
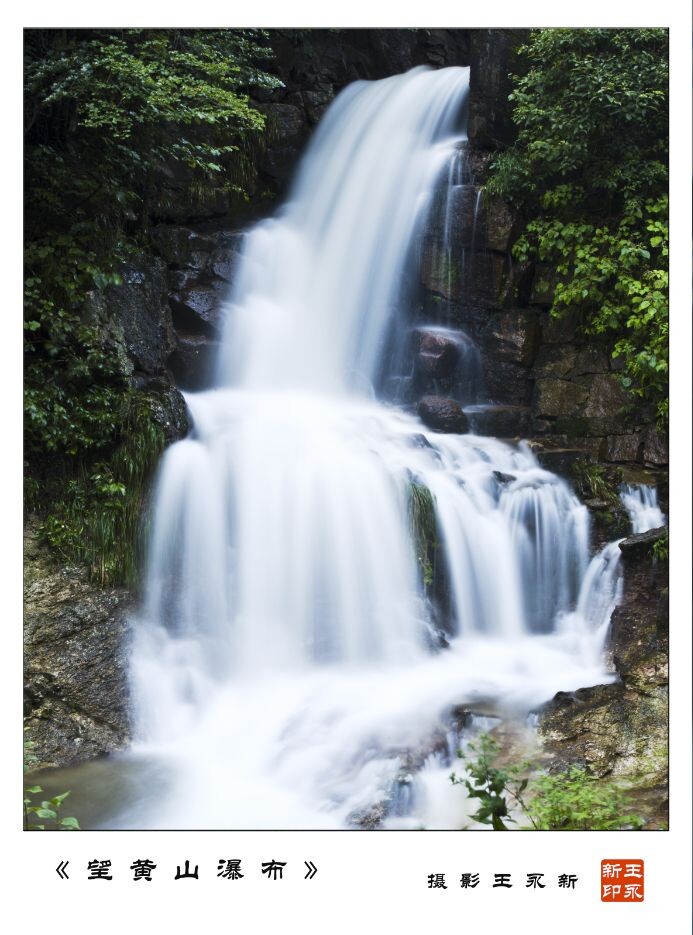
(94, 516)
(423, 529)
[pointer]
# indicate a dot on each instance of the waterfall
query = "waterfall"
(640, 500)
(295, 647)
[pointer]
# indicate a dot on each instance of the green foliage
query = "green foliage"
(589, 171)
(591, 482)
(576, 801)
(660, 548)
(568, 801)
(485, 782)
(422, 527)
(47, 809)
(110, 117)
(97, 515)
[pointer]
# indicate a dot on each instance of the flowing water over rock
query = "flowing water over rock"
(328, 580)
(643, 509)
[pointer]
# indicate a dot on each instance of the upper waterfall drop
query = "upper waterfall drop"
(323, 277)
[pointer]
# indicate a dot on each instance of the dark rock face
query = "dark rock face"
(167, 406)
(514, 336)
(490, 124)
(500, 421)
(315, 64)
(655, 448)
(192, 363)
(140, 307)
(620, 448)
(621, 729)
(75, 685)
(442, 415)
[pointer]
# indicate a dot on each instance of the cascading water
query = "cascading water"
(289, 655)
(640, 500)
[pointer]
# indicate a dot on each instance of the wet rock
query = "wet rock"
(463, 276)
(569, 360)
(620, 448)
(199, 308)
(442, 415)
(490, 117)
(317, 101)
(506, 382)
(454, 218)
(135, 316)
(559, 397)
(226, 256)
(179, 201)
(500, 421)
(167, 406)
(419, 441)
(515, 337)
(192, 363)
(558, 460)
(484, 280)
(560, 329)
(606, 397)
(182, 247)
(655, 449)
(284, 121)
(500, 225)
(75, 684)
(437, 354)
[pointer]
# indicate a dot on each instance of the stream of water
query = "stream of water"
(292, 664)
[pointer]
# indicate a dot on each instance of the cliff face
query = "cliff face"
(75, 660)
(546, 382)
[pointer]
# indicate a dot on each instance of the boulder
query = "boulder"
(198, 308)
(442, 415)
(226, 256)
(437, 353)
(167, 406)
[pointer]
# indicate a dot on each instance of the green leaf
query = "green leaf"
(46, 813)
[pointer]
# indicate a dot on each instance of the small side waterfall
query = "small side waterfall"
(640, 501)
(289, 654)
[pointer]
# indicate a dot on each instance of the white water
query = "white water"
(640, 501)
(287, 663)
